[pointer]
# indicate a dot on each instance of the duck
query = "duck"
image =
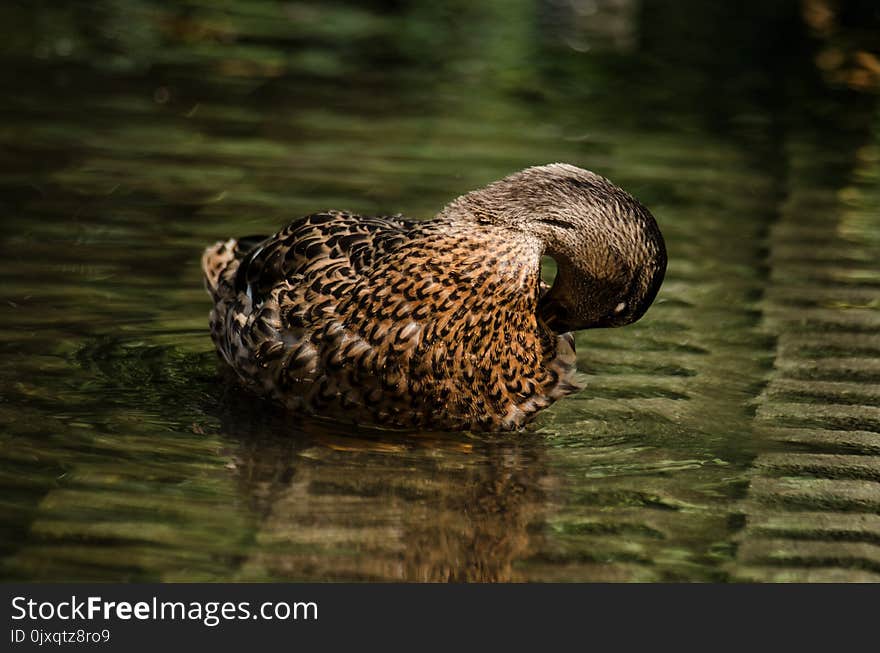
(442, 324)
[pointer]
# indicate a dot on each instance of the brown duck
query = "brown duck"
(443, 323)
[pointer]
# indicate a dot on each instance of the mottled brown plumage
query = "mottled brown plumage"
(442, 323)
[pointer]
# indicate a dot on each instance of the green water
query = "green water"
(732, 434)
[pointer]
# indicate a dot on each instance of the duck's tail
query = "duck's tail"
(217, 257)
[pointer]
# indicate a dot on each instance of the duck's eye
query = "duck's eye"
(619, 308)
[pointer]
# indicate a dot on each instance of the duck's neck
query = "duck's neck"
(590, 277)
(515, 254)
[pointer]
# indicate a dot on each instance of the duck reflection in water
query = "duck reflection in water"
(386, 506)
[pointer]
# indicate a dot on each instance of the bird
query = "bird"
(442, 324)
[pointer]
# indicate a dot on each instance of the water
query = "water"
(732, 434)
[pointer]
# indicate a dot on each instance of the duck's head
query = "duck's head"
(609, 251)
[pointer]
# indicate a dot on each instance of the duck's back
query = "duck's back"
(390, 321)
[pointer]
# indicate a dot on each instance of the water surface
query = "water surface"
(732, 434)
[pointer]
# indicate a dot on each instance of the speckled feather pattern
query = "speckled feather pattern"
(441, 324)
(392, 322)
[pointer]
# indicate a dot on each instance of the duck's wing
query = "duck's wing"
(314, 246)
(275, 298)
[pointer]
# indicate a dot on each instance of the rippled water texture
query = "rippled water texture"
(732, 434)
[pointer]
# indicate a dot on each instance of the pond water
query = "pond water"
(731, 434)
